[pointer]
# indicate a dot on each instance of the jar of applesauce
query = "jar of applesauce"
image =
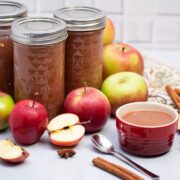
(84, 45)
(9, 11)
(39, 50)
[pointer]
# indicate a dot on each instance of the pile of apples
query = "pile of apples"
(86, 109)
(123, 68)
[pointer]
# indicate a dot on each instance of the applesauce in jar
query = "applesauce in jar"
(83, 57)
(39, 45)
(9, 11)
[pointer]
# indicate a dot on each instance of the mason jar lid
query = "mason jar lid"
(9, 11)
(38, 30)
(82, 18)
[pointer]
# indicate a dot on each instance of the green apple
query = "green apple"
(6, 105)
(124, 87)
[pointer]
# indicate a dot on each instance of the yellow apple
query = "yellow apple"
(121, 57)
(109, 32)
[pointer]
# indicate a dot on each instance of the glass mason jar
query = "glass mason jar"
(84, 45)
(39, 50)
(9, 11)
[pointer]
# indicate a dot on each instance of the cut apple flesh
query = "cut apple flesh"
(64, 130)
(10, 152)
(62, 121)
(69, 136)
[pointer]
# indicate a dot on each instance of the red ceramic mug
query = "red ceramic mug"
(145, 140)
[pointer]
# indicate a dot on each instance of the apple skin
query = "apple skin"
(28, 123)
(124, 87)
(73, 142)
(90, 105)
(66, 144)
(65, 130)
(109, 32)
(6, 106)
(19, 159)
(11, 153)
(121, 57)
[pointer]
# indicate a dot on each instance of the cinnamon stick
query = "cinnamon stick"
(179, 123)
(177, 91)
(117, 170)
(174, 96)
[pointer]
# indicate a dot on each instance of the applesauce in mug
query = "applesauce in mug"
(148, 118)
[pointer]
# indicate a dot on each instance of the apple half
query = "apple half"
(9, 152)
(65, 130)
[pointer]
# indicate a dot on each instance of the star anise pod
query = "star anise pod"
(66, 153)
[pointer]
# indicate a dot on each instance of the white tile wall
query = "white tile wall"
(110, 6)
(118, 24)
(78, 3)
(153, 24)
(165, 27)
(30, 4)
(143, 7)
(168, 7)
(46, 6)
(137, 31)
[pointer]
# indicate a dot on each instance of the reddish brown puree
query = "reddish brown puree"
(83, 59)
(6, 61)
(148, 118)
(9, 11)
(40, 69)
(84, 46)
(39, 45)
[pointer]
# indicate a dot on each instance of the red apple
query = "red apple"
(9, 152)
(65, 130)
(89, 104)
(28, 121)
(121, 57)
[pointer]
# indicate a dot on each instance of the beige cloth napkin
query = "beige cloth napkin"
(157, 76)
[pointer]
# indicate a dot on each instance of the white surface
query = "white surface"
(44, 163)
(145, 23)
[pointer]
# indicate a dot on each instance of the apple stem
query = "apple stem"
(85, 87)
(123, 49)
(35, 98)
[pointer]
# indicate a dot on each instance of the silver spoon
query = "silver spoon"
(104, 145)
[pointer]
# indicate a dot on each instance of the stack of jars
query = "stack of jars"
(51, 56)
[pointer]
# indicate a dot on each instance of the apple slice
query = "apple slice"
(65, 130)
(62, 121)
(12, 153)
(69, 136)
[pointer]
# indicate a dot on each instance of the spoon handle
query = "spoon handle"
(135, 165)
